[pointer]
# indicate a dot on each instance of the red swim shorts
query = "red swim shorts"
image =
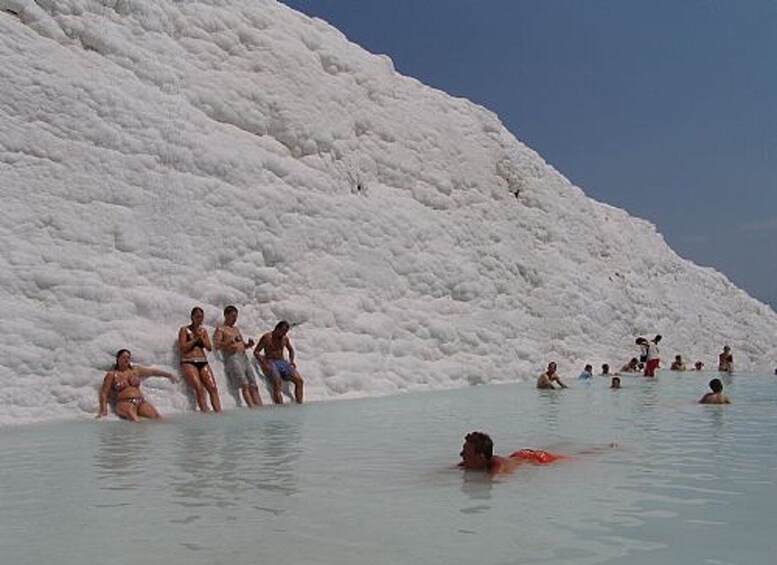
(536, 456)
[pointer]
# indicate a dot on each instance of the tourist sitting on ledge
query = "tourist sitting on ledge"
(122, 386)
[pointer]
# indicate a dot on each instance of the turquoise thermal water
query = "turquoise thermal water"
(373, 480)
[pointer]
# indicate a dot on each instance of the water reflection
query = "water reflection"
(550, 402)
(122, 454)
(230, 463)
(477, 487)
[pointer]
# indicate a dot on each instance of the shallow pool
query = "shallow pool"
(373, 481)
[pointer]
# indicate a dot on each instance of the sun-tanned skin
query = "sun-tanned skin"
(123, 382)
(547, 379)
(193, 341)
(716, 396)
(477, 455)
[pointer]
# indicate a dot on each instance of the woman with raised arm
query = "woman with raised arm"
(193, 341)
(121, 386)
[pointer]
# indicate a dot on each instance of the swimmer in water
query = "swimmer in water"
(678, 364)
(631, 367)
(716, 396)
(477, 454)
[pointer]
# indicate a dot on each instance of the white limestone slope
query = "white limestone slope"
(157, 155)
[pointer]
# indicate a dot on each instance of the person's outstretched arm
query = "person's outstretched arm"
(146, 372)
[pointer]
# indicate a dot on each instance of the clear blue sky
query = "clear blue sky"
(665, 108)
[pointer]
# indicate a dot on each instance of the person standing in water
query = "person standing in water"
(236, 365)
(269, 355)
(193, 341)
(653, 358)
(726, 361)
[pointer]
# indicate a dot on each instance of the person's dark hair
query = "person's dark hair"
(119, 354)
(716, 385)
(657, 338)
(588, 368)
(195, 310)
(640, 340)
(482, 442)
(633, 361)
(229, 310)
(605, 368)
(282, 325)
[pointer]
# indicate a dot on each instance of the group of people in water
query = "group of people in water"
(648, 361)
(121, 385)
(477, 453)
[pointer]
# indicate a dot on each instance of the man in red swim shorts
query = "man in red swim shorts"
(477, 454)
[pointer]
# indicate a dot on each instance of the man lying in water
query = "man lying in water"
(478, 455)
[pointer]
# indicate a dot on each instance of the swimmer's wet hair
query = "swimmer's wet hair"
(229, 309)
(716, 385)
(197, 309)
(482, 443)
(283, 324)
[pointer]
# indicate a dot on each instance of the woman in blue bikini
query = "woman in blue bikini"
(122, 386)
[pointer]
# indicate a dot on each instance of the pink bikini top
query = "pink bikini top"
(119, 385)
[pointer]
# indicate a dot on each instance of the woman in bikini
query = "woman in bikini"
(123, 384)
(193, 340)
